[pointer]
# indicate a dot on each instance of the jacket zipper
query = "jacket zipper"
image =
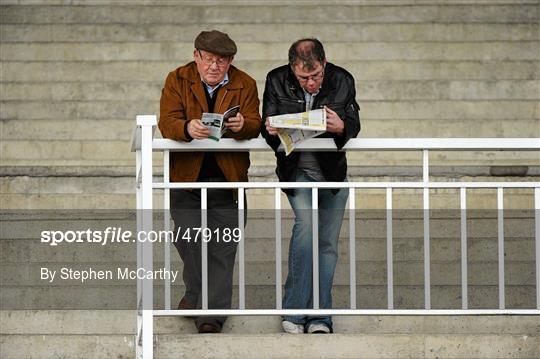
(223, 98)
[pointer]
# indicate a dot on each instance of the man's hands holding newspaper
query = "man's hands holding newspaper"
(197, 130)
(236, 123)
(334, 123)
(271, 130)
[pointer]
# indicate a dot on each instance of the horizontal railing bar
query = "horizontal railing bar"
(263, 185)
(358, 144)
(338, 312)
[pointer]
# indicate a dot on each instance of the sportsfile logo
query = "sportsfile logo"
(118, 235)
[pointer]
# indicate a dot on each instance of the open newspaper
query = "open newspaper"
(294, 128)
(215, 122)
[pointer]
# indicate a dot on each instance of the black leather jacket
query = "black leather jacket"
(283, 94)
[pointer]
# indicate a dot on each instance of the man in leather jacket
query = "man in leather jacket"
(310, 82)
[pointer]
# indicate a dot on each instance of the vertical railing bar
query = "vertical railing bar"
(241, 260)
(147, 249)
(277, 206)
(427, 261)
(315, 235)
(500, 222)
(138, 192)
(389, 249)
(464, 261)
(166, 228)
(204, 248)
(352, 247)
(537, 242)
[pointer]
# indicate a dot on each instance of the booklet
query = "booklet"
(215, 122)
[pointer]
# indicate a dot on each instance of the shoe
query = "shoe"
(318, 328)
(208, 328)
(292, 328)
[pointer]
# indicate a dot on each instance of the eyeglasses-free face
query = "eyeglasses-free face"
(310, 80)
(211, 67)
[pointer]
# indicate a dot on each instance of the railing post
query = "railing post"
(147, 123)
(352, 247)
(537, 242)
(166, 228)
(427, 260)
(500, 225)
(464, 260)
(389, 250)
(241, 260)
(277, 202)
(204, 248)
(315, 235)
(138, 217)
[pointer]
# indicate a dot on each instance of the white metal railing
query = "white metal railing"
(144, 145)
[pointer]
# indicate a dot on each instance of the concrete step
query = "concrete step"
(407, 225)
(31, 322)
(508, 12)
(120, 131)
(517, 249)
(278, 346)
(386, 90)
(371, 273)
(263, 297)
(374, 110)
(111, 333)
(392, 70)
(254, 32)
(182, 51)
(78, 198)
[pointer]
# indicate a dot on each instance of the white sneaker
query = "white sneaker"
(318, 329)
(292, 328)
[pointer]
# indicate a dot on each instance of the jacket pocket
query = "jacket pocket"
(289, 105)
(338, 107)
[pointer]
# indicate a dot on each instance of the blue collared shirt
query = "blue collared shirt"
(211, 89)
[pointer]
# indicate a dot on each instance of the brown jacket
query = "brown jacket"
(183, 99)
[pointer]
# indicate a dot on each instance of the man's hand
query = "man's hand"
(235, 124)
(334, 123)
(197, 130)
(271, 130)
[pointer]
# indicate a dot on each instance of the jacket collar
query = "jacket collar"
(189, 72)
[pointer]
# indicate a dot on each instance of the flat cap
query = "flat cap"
(215, 42)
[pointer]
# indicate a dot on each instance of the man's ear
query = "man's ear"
(194, 54)
(231, 60)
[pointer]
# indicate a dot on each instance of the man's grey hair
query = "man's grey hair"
(306, 51)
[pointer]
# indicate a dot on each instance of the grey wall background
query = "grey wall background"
(74, 74)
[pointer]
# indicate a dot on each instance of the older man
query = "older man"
(310, 82)
(208, 84)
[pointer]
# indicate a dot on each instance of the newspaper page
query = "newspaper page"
(215, 122)
(314, 120)
(294, 128)
(292, 138)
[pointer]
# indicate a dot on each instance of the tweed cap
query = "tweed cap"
(215, 42)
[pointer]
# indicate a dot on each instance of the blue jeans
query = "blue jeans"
(299, 284)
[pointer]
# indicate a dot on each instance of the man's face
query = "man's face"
(211, 67)
(310, 80)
